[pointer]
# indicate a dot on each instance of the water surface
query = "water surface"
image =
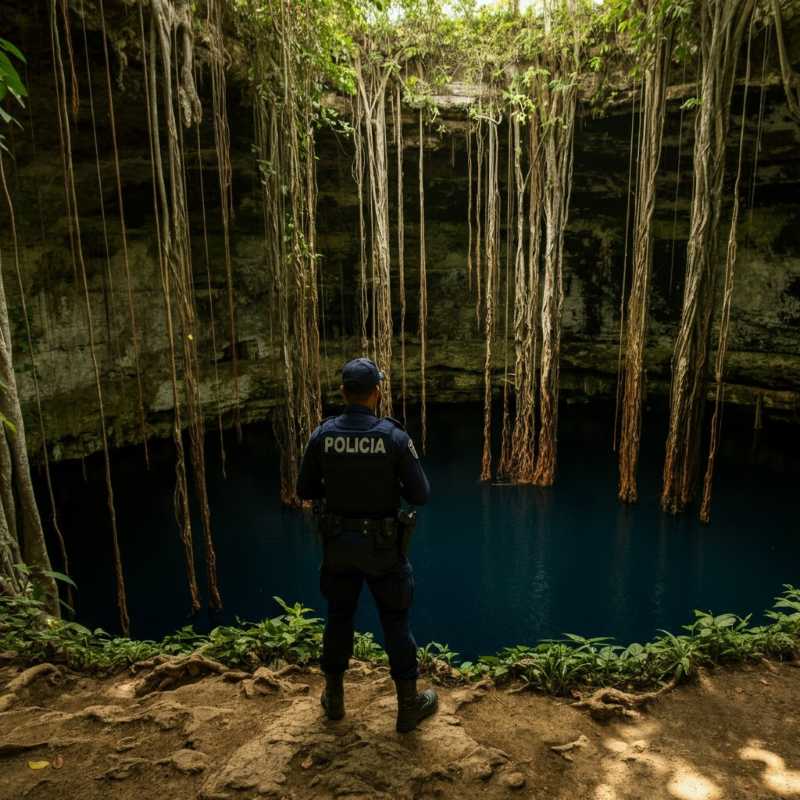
(495, 565)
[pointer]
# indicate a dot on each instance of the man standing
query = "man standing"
(361, 466)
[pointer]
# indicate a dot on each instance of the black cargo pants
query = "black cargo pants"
(351, 558)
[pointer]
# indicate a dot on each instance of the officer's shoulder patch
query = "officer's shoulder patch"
(396, 422)
(412, 448)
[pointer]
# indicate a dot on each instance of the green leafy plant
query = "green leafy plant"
(365, 648)
(10, 83)
(434, 652)
(295, 636)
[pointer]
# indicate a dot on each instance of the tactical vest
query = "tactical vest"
(359, 466)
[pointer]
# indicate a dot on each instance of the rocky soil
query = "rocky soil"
(200, 731)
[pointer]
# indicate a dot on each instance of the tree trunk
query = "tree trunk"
(24, 515)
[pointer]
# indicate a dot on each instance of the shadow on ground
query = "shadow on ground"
(237, 736)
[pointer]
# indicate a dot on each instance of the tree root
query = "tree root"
(25, 679)
(265, 682)
(149, 663)
(608, 702)
(32, 674)
(174, 673)
(564, 749)
(235, 675)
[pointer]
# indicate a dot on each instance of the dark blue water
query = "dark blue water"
(495, 565)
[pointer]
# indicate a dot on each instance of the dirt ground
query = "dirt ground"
(732, 734)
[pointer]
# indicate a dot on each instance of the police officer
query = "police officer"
(361, 465)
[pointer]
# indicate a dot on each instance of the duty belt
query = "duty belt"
(366, 526)
(387, 531)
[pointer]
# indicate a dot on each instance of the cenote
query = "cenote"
(495, 565)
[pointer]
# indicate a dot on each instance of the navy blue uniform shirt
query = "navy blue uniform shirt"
(362, 465)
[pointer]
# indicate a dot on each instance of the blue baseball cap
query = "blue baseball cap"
(361, 374)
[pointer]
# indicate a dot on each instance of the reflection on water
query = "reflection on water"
(495, 565)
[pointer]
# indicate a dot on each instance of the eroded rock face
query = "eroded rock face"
(765, 334)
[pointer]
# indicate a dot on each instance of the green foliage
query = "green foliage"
(27, 629)
(320, 43)
(295, 636)
(434, 652)
(10, 81)
(365, 648)
(11, 84)
(426, 44)
(559, 667)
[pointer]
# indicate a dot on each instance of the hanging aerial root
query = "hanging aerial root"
(791, 85)
(108, 282)
(526, 282)
(123, 228)
(722, 30)
(212, 315)
(284, 128)
(469, 207)
(170, 22)
(490, 290)
(636, 323)
(727, 303)
(504, 466)
(624, 284)
(78, 256)
(371, 81)
(401, 277)
(673, 238)
(358, 173)
(225, 172)
(479, 148)
(423, 289)
(557, 142)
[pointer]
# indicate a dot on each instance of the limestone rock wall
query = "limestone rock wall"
(765, 340)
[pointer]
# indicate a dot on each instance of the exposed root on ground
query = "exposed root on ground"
(177, 672)
(265, 681)
(608, 702)
(564, 749)
(27, 678)
(32, 674)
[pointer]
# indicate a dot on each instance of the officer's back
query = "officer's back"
(362, 466)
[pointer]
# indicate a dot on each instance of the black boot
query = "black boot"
(412, 708)
(333, 696)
